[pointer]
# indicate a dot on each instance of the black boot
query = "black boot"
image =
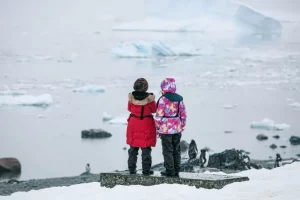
(167, 174)
(148, 173)
(132, 172)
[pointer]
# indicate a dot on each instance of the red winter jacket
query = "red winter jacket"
(141, 132)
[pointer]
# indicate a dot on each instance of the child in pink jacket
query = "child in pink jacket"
(170, 120)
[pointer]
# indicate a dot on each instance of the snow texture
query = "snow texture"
(269, 124)
(92, 89)
(203, 16)
(43, 100)
(277, 184)
(142, 49)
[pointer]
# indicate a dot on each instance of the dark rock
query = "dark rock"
(298, 155)
(282, 146)
(261, 137)
(231, 159)
(9, 165)
(294, 140)
(207, 181)
(276, 136)
(270, 157)
(124, 148)
(228, 131)
(95, 133)
(273, 146)
(184, 146)
(247, 153)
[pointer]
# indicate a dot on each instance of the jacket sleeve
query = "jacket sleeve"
(160, 112)
(129, 106)
(183, 115)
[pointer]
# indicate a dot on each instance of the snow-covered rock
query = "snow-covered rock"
(43, 100)
(269, 124)
(142, 49)
(90, 89)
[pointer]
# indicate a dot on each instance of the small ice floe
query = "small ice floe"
(48, 86)
(118, 120)
(229, 106)
(12, 92)
(295, 105)
(268, 124)
(107, 117)
(43, 100)
(41, 116)
(90, 89)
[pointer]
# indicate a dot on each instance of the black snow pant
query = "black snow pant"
(146, 158)
(171, 152)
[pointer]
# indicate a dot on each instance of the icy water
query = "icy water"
(55, 47)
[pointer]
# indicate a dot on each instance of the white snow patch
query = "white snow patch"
(269, 124)
(90, 89)
(43, 100)
(279, 183)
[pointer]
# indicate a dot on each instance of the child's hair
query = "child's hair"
(140, 85)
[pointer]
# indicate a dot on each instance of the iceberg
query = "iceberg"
(43, 100)
(295, 105)
(268, 124)
(119, 120)
(12, 92)
(107, 117)
(90, 89)
(202, 16)
(142, 49)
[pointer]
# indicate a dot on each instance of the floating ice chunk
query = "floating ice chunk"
(119, 120)
(268, 124)
(90, 89)
(229, 106)
(41, 116)
(27, 100)
(12, 92)
(141, 49)
(107, 117)
(295, 105)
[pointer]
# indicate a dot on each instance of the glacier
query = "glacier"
(143, 49)
(203, 16)
(43, 100)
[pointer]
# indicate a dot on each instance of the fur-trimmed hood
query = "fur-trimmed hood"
(143, 102)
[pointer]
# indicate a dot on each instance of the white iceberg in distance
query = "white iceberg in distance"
(229, 106)
(43, 100)
(12, 92)
(119, 120)
(142, 49)
(295, 105)
(204, 16)
(107, 117)
(268, 124)
(90, 89)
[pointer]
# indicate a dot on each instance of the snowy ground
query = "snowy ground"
(277, 184)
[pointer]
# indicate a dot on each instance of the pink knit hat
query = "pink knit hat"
(168, 85)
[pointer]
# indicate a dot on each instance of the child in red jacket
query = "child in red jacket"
(141, 130)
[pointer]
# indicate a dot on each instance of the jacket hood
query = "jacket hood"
(148, 99)
(168, 85)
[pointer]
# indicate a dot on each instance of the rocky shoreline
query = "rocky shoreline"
(8, 188)
(12, 186)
